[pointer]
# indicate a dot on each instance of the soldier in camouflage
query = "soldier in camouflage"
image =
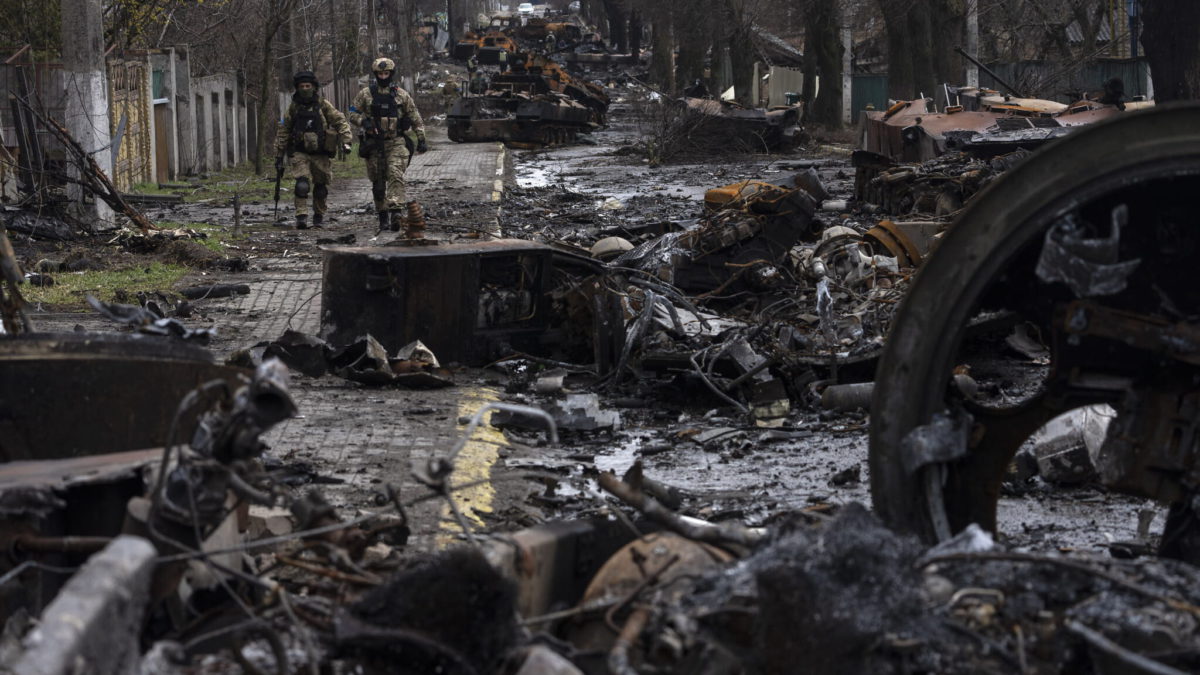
(310, 135)
(392, 130)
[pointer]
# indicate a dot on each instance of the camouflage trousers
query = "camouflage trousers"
(316, 172)
(386, 172)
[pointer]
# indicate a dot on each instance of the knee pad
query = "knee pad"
(379, 190)
(321, 191)
(302, 187)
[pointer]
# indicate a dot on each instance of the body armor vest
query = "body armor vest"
(386, 112)
(308, 129)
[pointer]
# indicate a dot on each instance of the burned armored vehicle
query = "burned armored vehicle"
(535, 103)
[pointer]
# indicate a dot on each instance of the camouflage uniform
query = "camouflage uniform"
(311, 150)
(386, 168)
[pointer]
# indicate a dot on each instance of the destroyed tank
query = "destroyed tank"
(536, 103)
(982, 125)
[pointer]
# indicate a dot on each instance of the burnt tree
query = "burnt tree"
(1171, 40)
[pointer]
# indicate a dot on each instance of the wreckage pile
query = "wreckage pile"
(937, 187)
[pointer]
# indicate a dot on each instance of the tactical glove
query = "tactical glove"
(346, 148)
(278, 163)
(368, 126)
(422, 146)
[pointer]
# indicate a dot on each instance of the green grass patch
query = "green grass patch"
(236, 180)
(353, 166)
(71, 288)
(222, 186)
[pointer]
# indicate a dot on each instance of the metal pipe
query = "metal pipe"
(987, 70)
(39, 544)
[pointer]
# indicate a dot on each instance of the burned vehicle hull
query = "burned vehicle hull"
(144, 377)
(755, 129)
(536, 104)
(1089, 244)
(518, 119)
(986, 126)
(470, 303)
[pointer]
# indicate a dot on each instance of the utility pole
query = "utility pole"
(86, 84)
(972, 41)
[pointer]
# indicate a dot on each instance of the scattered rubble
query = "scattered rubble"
(626, 333)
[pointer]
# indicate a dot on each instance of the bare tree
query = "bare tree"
(276, 13)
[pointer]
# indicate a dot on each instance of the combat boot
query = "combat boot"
(302, 221)
(318, 218)
(397, 219)
(383, 220)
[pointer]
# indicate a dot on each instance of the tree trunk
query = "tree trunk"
(615, 13)
(277, 17)
(1171, 41)
(949, 23)
(901, 82)
(691, 31)
(910, 48)
(635, 32)
(265, 104)
(823, 41)
(662, 65)
(741, 53)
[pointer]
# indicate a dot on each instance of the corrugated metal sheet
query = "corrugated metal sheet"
(781, 82)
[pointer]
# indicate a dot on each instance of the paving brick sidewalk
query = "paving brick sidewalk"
(359, 437)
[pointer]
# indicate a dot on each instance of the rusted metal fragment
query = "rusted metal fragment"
(651, 561)
(908, 242)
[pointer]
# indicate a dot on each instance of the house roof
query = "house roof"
(775, 51)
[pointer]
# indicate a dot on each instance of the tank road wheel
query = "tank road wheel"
(1127, 187)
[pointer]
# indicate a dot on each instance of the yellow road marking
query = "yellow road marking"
(474, 463)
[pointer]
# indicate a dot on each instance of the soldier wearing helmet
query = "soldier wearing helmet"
(391, 130)
(310, 134)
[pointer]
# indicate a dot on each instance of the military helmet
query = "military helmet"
(383, 64)
(304, 76)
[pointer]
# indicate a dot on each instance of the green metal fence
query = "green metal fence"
(866, 89)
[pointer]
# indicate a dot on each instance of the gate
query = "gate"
(130, 123)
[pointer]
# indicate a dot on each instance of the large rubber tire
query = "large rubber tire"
(928, 330)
